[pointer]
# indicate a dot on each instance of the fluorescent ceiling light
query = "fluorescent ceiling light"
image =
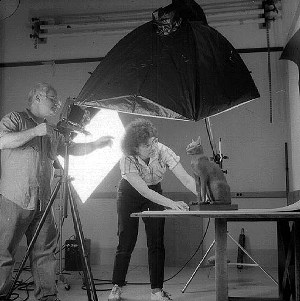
(89, 170)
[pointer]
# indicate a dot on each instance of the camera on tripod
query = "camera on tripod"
(73, 118)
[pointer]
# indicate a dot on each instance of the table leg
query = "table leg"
(286, 274)
(297, 259)
(221, 259)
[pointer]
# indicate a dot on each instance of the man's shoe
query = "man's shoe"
(115, 293)
(160, 296)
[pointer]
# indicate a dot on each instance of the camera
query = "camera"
(73, 118)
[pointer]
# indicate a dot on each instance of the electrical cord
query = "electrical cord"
(196, 251)
(22, 285)
(269, 74)
(105, 281)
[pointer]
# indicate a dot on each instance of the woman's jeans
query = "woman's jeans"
(130, 201)
(14, 223)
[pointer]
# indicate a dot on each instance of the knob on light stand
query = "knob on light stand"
(219, 157)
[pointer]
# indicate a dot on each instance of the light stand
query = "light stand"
(242, 249)
(67, 199)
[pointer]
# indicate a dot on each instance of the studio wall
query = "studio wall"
(254, 145)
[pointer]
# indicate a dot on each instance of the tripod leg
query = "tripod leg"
(34, 238)
(245, 251)
(198, 266)
(62, 216)
(90, 285)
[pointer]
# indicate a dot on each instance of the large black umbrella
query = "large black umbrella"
(174, 66)
(291, 51)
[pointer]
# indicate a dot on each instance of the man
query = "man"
(29, 145)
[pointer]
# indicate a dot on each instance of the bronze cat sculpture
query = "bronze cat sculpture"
(211, 183)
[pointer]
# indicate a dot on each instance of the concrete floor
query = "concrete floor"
(248, 282)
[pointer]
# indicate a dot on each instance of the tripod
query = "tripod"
(68, 198)
(240, 247)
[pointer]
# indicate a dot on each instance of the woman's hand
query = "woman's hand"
(139, 185)
(179, 205)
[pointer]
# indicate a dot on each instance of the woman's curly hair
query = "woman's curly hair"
(137, 132)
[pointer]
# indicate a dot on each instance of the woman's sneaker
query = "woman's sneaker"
(115, 293)
(160, 296)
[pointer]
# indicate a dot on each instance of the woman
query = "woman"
(143, 166)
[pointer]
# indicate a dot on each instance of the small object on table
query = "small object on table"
(212, 207)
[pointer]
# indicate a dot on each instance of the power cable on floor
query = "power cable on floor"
(196, 251)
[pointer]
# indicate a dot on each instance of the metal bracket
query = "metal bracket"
(36, 31)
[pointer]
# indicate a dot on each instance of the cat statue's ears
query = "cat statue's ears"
(198, 141)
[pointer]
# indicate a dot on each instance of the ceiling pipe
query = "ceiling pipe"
(218, 15)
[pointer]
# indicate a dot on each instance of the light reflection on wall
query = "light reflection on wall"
(89, 170)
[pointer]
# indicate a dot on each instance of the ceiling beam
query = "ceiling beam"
(98, 59)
